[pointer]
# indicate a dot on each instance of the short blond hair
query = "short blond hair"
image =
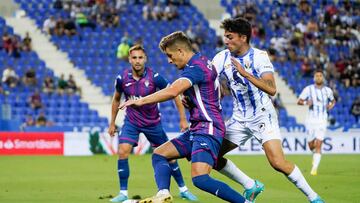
(137, 47)
(175, 38)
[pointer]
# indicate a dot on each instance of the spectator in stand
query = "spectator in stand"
(62, 84)
(170, 12)
(29, 121)
(6, 42)
(355, 109)
(128, 39)
(29, 78)
(72, 87)
(41, 120)
(58, 4)
(123, 50)
(48, 85)
(192, 36)
(306, 68)
(158, 12)
(59, 27)
(147, 10)
(120, 5)
(70, 28)
(83, 21)
(26, 43)
(10, 77)
(35, 101)
(49, 25)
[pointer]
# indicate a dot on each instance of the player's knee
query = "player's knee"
(124, 152)
(157, 158)
(200, 181)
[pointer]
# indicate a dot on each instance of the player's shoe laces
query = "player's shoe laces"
(252, 193)
(119, 198)
(188, 196)
(317, 200)
(313, 172)
(159, 198)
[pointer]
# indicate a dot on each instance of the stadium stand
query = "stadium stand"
(300, 45)
(59, 110)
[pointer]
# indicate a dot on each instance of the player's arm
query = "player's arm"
(331, 104)
(174, 90)
(181, 109)
(266, 83)
(303, 98)
(114, 111)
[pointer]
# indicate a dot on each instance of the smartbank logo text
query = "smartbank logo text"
(34, 144)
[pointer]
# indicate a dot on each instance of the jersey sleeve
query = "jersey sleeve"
(194, 74)
(160, 81)
(330, 94)
(219, 61)
(264, 65)
(118, 84)
(305, 93)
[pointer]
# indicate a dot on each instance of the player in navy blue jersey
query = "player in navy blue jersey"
(201, 143)
(136, 83)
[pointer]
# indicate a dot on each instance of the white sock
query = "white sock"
(163, 192)
(316, 161)
(124, 192)
(298, 179)
(183, 188)
(231, 171)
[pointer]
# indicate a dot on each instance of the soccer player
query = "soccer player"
(134, 83)
(202, 142)
(249, 75)
(320, 100)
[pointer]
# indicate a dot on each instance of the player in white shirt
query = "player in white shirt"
(320, 100)
(249, 75)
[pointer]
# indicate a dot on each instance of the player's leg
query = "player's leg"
(157, 136)
(203, 158)
(173, 149)
(235, 134)
(276, 158)
(316, 156)
(127, 139)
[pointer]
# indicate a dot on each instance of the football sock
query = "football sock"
(217, 188)
(298, 179)
(123, 173)
(231, 171)
(162, 171)
(176, 173)
(316, 161)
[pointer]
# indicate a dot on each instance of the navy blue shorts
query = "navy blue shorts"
(130, 134)
(198, 147)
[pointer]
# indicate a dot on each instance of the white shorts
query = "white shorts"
(263, 127)
(316, 129)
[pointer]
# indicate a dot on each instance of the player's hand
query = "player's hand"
(238, 67)
(130, 103)
(184, 126)
(309, 102)
(112, 129)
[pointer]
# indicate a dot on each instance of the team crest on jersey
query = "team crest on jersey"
(247, 64)
(146, 83)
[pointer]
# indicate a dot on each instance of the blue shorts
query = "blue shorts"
(130, 134)
(198, 147)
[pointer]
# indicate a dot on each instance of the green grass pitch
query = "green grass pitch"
(92, 179)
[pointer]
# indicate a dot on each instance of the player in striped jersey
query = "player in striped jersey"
(249, 75)
(320, 100)
(201, 144)
(137, 82)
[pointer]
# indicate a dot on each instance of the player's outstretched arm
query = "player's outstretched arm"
(175, 89)
(266, 83)
(114, 111)
(183, 122)
(331, 104)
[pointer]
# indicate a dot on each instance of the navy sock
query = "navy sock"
(176, 173)
(162, 171)
(124, 173)
(217, 188)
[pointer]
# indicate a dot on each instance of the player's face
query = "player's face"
(234, 42)
(175, 57)
(137, 59)
(318, 78)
